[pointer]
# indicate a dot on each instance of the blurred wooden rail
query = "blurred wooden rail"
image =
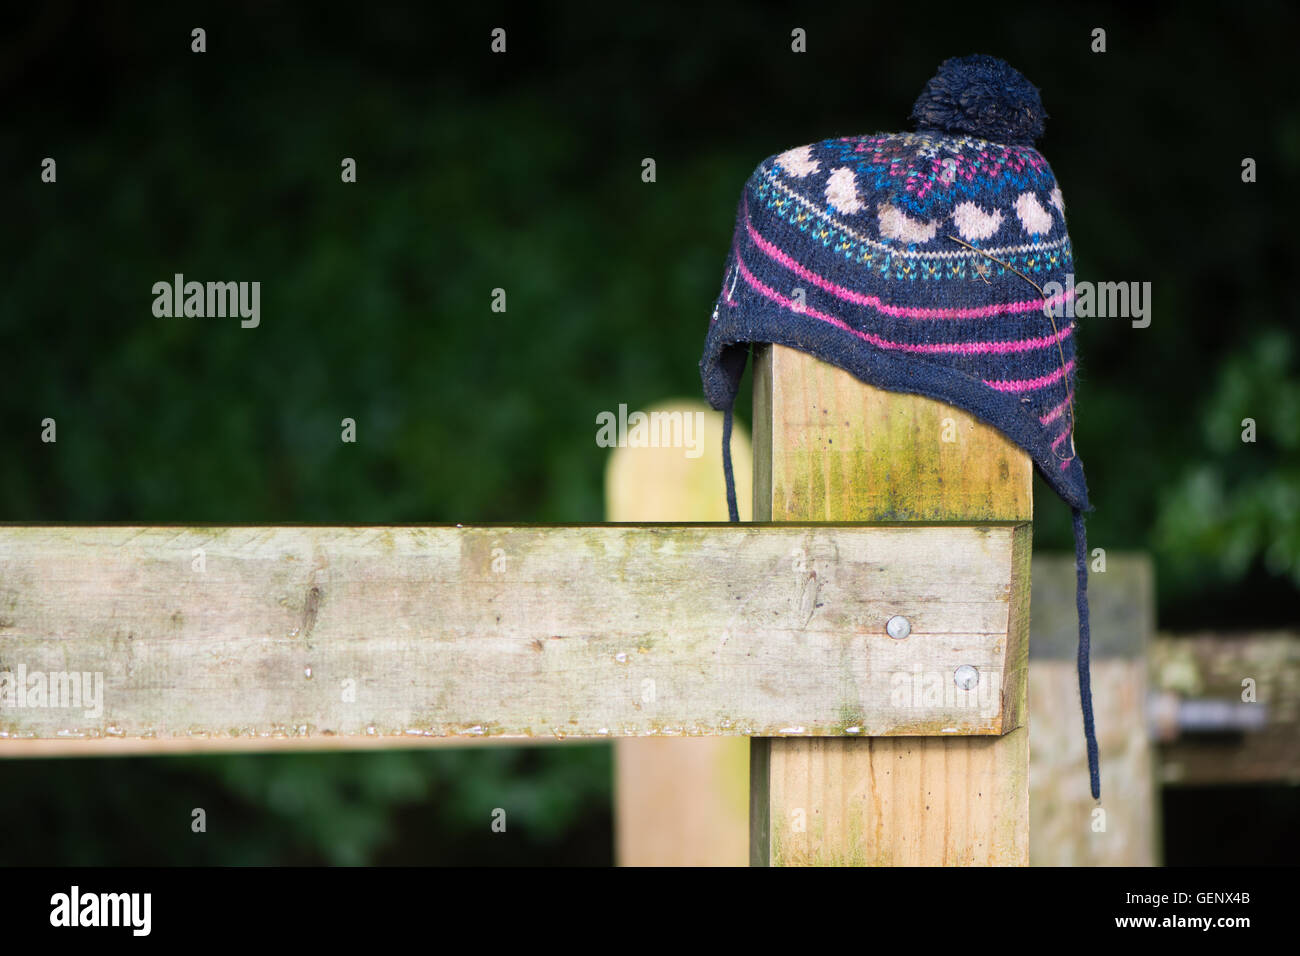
(1209, 669)
(408, 633)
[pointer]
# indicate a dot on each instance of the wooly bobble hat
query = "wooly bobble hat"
(922, 262)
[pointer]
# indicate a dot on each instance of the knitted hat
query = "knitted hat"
(921, 262)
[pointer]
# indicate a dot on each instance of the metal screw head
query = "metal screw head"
(898, 627)
(966, 677)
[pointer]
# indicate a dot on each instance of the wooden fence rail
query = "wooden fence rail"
(1243, 690)
(401, 632)
(876, 658)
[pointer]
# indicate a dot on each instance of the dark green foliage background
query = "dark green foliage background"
(523, 172)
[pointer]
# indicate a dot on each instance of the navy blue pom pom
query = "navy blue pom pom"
(981, 96)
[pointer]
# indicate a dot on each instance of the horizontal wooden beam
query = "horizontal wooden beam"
(411, 633)
(189, 746)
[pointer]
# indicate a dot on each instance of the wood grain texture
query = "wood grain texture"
(588, 631)
(916, 801)
(828, 447)
(838, 447)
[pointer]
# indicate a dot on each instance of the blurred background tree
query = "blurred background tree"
(522, 172)
(1235, 510)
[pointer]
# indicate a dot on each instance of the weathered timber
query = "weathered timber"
(828, 447)
(680, 801)
(422, 632)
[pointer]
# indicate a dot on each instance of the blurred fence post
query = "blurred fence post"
(680, 801)
(1064, 830)
(828, 447)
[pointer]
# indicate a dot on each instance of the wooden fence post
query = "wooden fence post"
(1063, 830)
(829, 448)
(679, 801)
